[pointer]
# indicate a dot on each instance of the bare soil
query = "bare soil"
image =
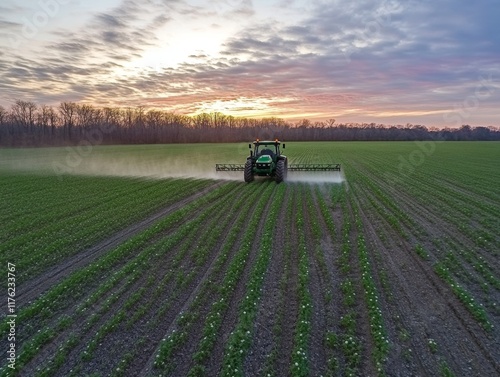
(423, 308)
(37, 286)
(428, 327)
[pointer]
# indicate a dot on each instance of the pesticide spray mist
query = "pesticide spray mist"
(138, 162)
(168, 167)
(133, 163)
(316, 177)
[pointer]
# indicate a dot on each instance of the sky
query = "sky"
(434, 63)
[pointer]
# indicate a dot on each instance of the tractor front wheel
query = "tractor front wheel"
(281, 171)
(248, 171)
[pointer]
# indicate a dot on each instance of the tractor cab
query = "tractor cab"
(269, 148)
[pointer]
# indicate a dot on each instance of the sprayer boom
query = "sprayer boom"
(229, 167)
(314, 167)
(292, 167)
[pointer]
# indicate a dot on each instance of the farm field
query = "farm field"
(141, 261)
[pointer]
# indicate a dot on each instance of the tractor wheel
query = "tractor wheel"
(248, 171)
(281, 170)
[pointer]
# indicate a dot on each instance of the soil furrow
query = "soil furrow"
(231, 316)
(290, 304)
(317, 287)
(429, 307)
(367, 367)
(264, 337)
(175, 292)
(476, 196)
(68, 300)
(204, 286)
(35, 287)
(330, 249)
(434, 228)
(154, 269)
(437, 228)
(416, 357)
(123, 336)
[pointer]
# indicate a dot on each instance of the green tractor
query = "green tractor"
(266, 160)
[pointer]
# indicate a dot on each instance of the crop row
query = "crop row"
(189, 246)
(299, 361)
(76, 287)
(190, 295)
(463, 260)
(240, 339)
(172, 342)
(37, 247)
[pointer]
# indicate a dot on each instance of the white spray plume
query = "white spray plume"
(135, 164)
(316, 176)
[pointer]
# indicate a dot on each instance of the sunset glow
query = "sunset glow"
(392, 62)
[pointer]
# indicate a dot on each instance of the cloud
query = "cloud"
(74, 47)
(109, 21)
(9, 25)
(330, 58)
(82, 56)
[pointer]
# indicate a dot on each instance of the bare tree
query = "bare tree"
(128, 116)
(27, 124)
(84, 115)
(3, 115)
(24, 113)
(42, 119)
(67, 111)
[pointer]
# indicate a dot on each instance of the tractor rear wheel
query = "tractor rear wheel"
(248, 171)
(281, 170)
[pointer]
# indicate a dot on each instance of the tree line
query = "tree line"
(27, 124)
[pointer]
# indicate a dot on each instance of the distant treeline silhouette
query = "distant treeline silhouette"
(28, 124)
